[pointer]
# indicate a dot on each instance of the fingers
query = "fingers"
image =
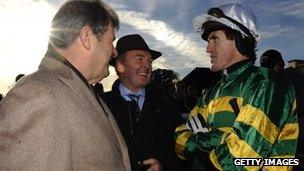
(150, 161)
(201, 118)
(197, 123)
(153, 163)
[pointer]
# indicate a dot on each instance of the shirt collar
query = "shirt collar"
(124, 91)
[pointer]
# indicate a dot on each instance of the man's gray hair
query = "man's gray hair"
(76, 14)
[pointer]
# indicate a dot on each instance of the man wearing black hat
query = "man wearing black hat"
(250, 112)
(272, 59)
(146, 120)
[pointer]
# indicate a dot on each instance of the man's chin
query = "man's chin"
(105, 74)
(143, 83)
(215, 68)
(212, 69)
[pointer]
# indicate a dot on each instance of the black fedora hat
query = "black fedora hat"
(133, 42)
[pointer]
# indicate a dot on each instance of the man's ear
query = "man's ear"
(86, 37)
(120, 67)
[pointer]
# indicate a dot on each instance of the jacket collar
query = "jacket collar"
(52, 53)
(234, 70)
(115, 87)
(85, 95)
(72, 81)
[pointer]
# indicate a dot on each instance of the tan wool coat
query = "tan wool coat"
(50, 120)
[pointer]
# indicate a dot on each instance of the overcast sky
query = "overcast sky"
(166, 25)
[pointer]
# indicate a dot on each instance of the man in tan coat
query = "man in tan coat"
(51, 119)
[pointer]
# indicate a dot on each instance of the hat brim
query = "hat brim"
(154, 54)
(211, 26)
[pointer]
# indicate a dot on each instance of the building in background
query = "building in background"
(296, 63)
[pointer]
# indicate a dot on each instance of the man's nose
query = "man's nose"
(209, 48)
(147, 64)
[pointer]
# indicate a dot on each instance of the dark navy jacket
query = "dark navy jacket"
(153, 134)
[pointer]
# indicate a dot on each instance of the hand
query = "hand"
(197, 124)
(154, 164)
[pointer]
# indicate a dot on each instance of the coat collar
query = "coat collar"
(72, 81)
(234, 70)
(68, 77)
(53, 53)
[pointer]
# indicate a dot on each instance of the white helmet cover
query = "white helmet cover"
(237, 12)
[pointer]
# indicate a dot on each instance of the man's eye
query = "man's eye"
(138, 59)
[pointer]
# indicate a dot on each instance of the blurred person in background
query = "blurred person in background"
(272, 59)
